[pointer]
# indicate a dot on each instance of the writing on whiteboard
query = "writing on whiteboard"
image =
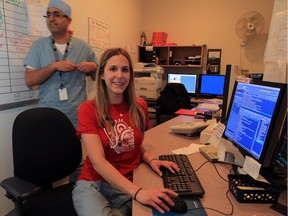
(99, 36)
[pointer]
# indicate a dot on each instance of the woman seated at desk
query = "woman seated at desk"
(112, 129)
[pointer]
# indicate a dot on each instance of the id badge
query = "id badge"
(63, 94)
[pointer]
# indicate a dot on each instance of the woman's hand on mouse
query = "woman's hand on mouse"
(156, 197)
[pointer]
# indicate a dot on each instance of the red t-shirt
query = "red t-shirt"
(125, 157)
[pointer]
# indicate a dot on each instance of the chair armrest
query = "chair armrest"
(19, 189)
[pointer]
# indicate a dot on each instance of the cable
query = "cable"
(214, 167)
(212, 209)
(219, 173)
(201, 166)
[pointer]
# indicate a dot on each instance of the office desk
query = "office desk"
(160, 140)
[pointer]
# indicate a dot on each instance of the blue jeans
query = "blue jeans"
(100, 199)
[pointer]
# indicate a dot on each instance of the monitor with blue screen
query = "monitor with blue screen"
(188, 80)
(252, 118)
(211, 85)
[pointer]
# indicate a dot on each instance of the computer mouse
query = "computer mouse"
(179, 204)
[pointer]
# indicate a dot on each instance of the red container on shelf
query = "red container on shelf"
(159, 38)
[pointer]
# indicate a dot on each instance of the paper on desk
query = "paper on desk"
(228, 153)
(215, 101)
(192, 148)
(217, 134)
(252, 168)
(209, 106)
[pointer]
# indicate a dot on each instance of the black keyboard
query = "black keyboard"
(185, 182)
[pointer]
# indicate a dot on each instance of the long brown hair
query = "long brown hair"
(136, 113)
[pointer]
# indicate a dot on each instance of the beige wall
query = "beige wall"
(125, 20)
(213, 23)
(185, 21)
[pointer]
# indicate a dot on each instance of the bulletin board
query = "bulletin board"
(99, 36)
(275, 57)
(15, 42)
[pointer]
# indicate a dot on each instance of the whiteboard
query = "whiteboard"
(15, 42)
(99, 36)
(99, 40)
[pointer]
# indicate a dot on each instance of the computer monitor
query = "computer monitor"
(255, 111)
(230, 79)
(188, 80)
(211, 85)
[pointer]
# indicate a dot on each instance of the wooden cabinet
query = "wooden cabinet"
(173, 56)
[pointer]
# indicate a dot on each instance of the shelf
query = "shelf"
(173, 56)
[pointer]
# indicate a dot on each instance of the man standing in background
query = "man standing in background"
(59, 64)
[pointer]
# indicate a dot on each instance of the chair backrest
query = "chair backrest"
(45, 146)
(173, 97)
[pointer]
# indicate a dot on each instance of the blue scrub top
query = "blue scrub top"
(41, 54)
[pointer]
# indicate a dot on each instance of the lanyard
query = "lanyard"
(66, 50)
(64, 56)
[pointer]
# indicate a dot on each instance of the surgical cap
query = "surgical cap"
(65, 8)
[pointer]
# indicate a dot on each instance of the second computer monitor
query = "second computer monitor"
(188, 80)
(211, 85)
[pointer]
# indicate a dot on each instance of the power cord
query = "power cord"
(212, 209)
(214, 168)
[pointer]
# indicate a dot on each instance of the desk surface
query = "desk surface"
(160, 140)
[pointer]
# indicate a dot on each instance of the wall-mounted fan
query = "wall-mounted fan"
(249, 25)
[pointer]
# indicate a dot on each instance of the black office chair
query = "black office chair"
(45, 149)
(173, 97)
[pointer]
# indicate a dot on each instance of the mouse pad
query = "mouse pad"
(193, 204)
